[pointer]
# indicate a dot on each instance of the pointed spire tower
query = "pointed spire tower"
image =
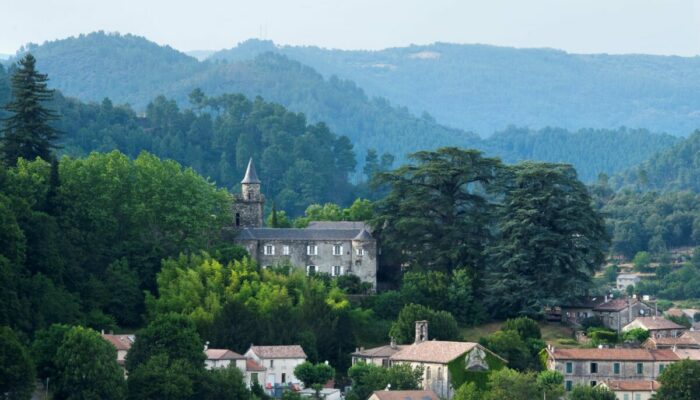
(248, 208)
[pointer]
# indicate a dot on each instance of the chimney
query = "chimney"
(606, 299)
(421, 331)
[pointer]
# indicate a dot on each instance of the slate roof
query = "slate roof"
(338, 225)
(655, 323)
(293, 351)
(614, 354)
(222, 354)
(250, 175)
(405, 395)
(381, 351)
(633, 386)
(297, 234)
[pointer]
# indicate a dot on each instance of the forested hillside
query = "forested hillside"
(371, 123)
(486, 88)
(677, 168)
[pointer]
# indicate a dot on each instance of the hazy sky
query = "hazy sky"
(585, 26)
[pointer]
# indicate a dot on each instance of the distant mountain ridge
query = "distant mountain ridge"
(130, 69)
(485, 88)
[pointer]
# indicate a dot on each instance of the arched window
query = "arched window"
(427, 373)
(238, 219)
(439, 373)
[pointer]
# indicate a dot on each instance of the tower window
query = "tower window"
(238, 219)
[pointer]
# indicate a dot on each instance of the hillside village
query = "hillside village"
(445, 221)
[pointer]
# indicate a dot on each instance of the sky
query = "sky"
(665, 27)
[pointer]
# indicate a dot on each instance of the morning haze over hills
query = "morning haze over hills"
(530, 103)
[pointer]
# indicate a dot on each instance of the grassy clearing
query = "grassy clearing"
(552, 333)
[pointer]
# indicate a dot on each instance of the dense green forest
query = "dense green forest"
(676, 168)
(485, 88)
(369, 122)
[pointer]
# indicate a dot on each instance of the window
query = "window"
(284, 377)
(272, 363)
(337, 250)
(254, 377)
(336, 270)
(568, 385)
(385, 362)
(238, 219)
(285, 250)
(360, 251)
(637, 396)
(616, 368)
(640, 368)
(594, 368)
(626, 396)
(427, 373)
(269, 250)
(312, 250)
(310, 269)
(661, 368)
(593, 383)
(439, 373)
(569, 368)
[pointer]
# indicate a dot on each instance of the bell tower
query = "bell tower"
(421, 331)
(248, 207)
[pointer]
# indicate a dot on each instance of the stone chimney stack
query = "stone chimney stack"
(421, 331)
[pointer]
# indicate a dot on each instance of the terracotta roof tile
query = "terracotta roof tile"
(656, 323)
(222, 354)
(293, 351)
(693, 354)
(615, 354)
(382, 351)
(436, 351)
(613, 305)
(633, 385)
(405, 395)
(121, 342)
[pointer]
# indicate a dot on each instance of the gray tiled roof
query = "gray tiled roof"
(297, 234)
(338, 225)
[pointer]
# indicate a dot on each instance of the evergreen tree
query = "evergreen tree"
(27, 132)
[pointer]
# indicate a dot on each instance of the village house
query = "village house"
(687, 340)
(613, 313)
(377, 355)
(122, 343)
(222, 358)
(335, 248)
(658, 327)
(279, 363)
(625, 280)
(215, 358)
(591, 366)
(404, 395)
(435, 357)
(632, 389)
(688, 313)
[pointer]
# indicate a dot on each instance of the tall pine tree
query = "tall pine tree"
(27, 132)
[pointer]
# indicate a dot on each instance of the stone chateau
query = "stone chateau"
(332, 247)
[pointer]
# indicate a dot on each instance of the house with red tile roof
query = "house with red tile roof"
(591, 366)
(279, 363)
(632, 389)
(658, 327)
(404, 395)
